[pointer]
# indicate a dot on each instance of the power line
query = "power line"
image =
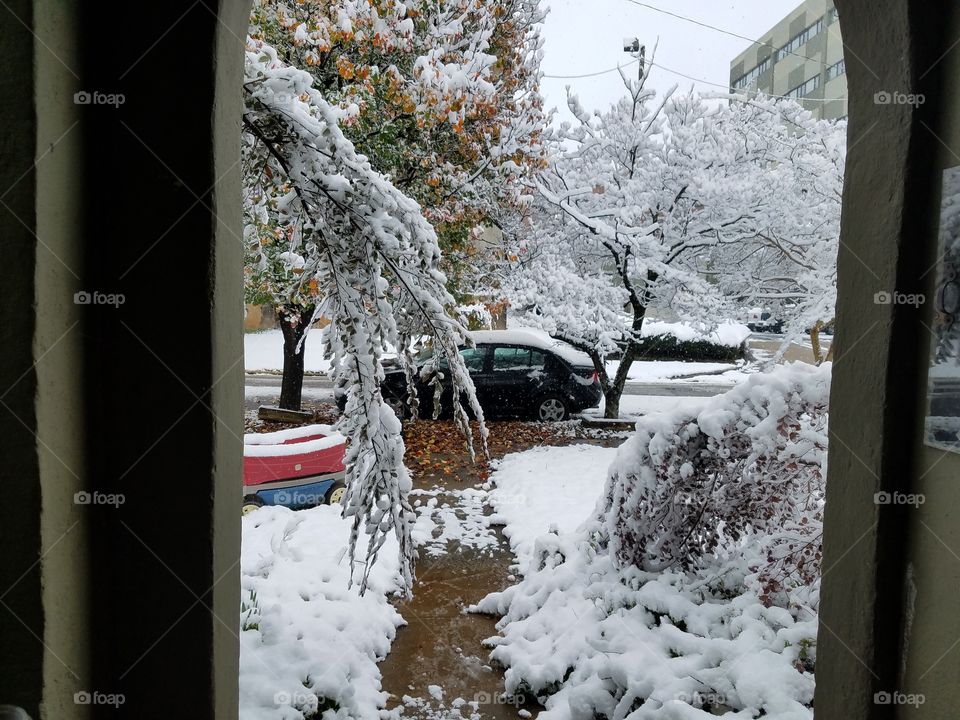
(680, 74)
(592, 74)
(720, 30)
(727, 87)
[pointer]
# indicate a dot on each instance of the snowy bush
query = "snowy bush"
(694, 590)
(752, 462)
(668, 347)
(593, 641)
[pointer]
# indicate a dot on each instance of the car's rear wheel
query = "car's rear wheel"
(551, 408)
(335, 494)
(251, 503)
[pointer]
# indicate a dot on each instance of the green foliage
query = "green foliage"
(668, 347)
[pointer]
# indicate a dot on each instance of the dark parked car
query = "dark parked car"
(516, 373)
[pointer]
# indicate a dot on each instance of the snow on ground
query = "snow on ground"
(309, 393)
(441, 523)
(638, 405)
(656, 370)
(546, 488)
(308, 642)
(264, 351)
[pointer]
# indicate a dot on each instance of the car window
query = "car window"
(473, 358)
(511, 358)
(537, 359)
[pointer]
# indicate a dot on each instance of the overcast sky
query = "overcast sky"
(584, 36)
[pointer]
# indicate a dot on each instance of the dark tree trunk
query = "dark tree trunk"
(611, 404)
(294, 322)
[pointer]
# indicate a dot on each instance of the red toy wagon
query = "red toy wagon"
(295, 468)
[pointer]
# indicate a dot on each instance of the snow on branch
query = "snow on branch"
(751, 464)
(371, 260)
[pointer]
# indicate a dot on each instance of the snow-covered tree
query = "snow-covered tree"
(364, 253)
(793, 267)
(441, 97)
(673, 202)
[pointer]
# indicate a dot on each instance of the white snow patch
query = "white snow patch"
(445, 526)
(264, 351)
(547, 487)
(306, 640)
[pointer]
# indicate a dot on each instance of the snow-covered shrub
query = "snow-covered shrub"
(668, 347)
(693, 591)
(752, 462)
(595, 641)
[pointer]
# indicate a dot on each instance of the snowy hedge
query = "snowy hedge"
(685, 341)
(752, 461)
(694, 589)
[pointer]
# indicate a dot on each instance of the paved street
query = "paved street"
(265, 389)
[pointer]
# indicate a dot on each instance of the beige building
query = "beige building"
(800, 57)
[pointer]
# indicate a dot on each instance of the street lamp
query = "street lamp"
(632, 46)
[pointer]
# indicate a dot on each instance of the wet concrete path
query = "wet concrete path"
(438, 667)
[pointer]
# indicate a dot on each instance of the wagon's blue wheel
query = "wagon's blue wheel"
(251, 503)
(335, 493)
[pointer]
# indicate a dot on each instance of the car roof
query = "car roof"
(533, 338)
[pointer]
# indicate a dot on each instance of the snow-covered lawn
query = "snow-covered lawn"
(264, 351)
(655, 370)
(544, 488)
(636, 405)
(304, 635)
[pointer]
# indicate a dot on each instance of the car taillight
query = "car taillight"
(595, 377)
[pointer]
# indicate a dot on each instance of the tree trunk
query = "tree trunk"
(815, 342)
(294, 322)
(611, 397)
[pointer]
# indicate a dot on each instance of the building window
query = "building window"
(836, 70)
(805, 89)
(747, 78)
(800, 39)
